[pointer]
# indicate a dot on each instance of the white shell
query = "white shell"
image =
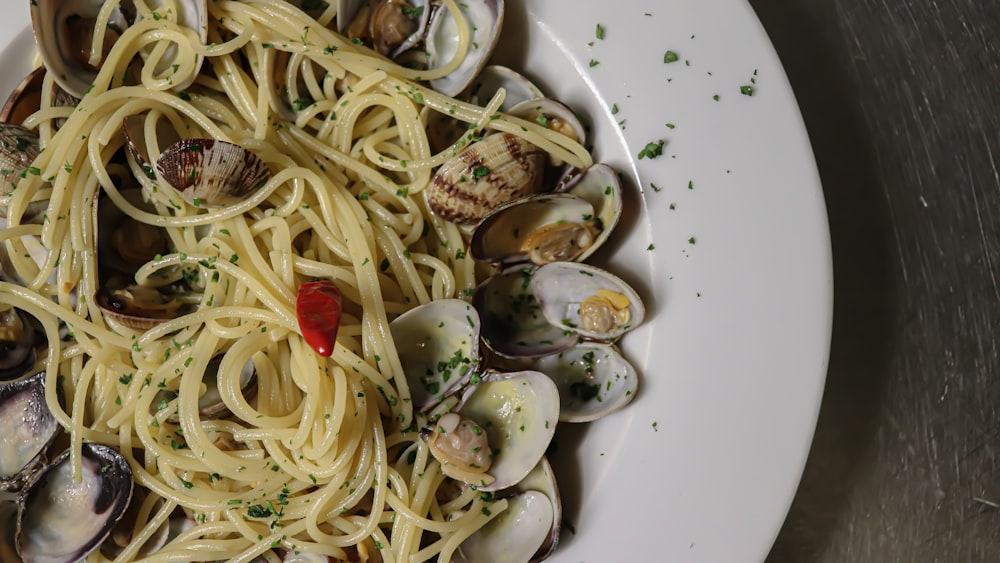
(560, 287)
(514, 535)
(28, 428)
(437, 334)
(594, 380)
(493, 77)
(602, 187)
(519, 412)
(511, 324)
(501, 235)
(485, 20)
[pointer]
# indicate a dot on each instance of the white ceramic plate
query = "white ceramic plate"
(736, 272)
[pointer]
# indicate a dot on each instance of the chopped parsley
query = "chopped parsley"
(652, 150)
(670, 57)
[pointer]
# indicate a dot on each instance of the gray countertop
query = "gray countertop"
(902, 102)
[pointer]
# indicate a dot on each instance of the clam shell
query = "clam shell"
(528, 530)
(594, 380)
(61, 521)
(560, 288)
(498, 169)
(26, 99)
(551, 114)
(17, 344)
(519, 412)
(28, 427)
(602, 187)
(438, 345)
(502, 235)
(123, 311)
(59, 45)
(512, 324)
(485, 20)
(18, 149)
(210, 173)
(493, 77)
(133, 127)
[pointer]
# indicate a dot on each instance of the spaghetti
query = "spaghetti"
(326, 459)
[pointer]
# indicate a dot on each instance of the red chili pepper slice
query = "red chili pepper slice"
(318, 308)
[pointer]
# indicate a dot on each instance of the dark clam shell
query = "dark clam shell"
(61, 521)
(17, 344)
(28, 427)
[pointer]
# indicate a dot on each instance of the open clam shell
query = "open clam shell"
(134, 128)
(484, 19)
(587, 300)
(593, 378)
(543, 228)
(125, 244)
(519, 412)
(438, 345)
(26, 99)
(494, 77)
(553, 115)
(28, 427)
(142, 307)
(210, 403)
(210, 173)
(18, 149)
(527, 531)
(602, 187)
(61, 520)
(390, 27)
(512, 323)
(64, 30)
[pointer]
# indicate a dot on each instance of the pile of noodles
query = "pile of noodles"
(326, 455)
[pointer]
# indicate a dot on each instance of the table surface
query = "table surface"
(902, 102)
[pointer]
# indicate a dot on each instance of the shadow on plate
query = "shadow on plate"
(865, 294)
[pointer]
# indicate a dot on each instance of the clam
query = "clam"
(18, 149)
(28, 428)
(501, 430)
(124, 244)
(210, 403)
(122, 534)
(528, 530)
(61, 520)
(438, 345)
(484, 20)
(390, 27)
(499, 168)
(568, 226)
(210, 173)
(512, 322)
(142, 307)
(8, 523)
(593, 378)
(133, 127)
(64, 31)
(17, 344)
(494, 77)
(553, 115)
(589, 301)
(26, 99)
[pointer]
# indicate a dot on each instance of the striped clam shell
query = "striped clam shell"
(498, 169)
(210, 173)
